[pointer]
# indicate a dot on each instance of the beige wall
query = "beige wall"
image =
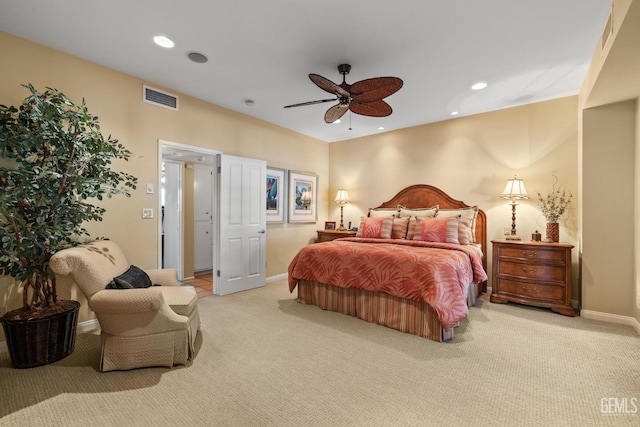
(609, 146)
(470, 158)
(117, 99)
(608, 239)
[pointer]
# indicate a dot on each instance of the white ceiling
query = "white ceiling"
(263, 50)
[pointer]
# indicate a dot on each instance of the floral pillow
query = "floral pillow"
(443, 230)
(375, 228)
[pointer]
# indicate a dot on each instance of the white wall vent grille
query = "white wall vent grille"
(159, 98)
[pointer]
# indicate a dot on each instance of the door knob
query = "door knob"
(262, 231)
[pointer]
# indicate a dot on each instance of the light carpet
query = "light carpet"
(265, 360)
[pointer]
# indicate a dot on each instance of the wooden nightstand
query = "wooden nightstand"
(533, 273)
(328, 235)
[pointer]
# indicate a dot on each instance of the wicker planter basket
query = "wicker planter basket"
(37, 342)
(553, 232)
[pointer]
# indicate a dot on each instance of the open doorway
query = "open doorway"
(187, 202)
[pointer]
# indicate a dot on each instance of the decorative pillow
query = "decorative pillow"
(399, 229)
(375, 228)
(131, 279)
(376, 212)
(418, 212)
(470, 212)
(411, 228)
(464, 230)
(437, 230)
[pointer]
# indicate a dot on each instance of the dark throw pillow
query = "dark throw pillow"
(130, 279)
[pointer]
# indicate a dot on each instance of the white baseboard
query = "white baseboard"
(276, 277)
(88, 326)
(82, 328)
(611, 318)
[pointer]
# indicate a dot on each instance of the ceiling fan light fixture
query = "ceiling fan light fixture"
(364, 97)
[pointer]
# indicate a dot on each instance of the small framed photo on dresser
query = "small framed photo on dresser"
(329, 225)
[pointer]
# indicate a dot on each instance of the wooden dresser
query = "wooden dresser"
(533, 273)
(328, 235)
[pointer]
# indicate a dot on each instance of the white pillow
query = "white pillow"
(418, 212)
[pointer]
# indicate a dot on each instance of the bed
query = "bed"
(424, 286)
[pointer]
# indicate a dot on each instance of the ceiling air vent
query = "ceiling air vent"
(159, 98)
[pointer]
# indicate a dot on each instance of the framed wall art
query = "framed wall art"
(276, 195)
(303, 196)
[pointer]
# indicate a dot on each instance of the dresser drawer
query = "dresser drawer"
(544, 272)
(532, 290)
(532, 253)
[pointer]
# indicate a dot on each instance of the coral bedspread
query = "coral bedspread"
(436, 273)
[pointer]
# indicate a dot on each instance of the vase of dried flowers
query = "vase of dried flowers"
(553, 206)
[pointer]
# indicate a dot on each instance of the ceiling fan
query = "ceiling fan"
(363, 97)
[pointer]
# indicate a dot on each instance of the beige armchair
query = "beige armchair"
(154, 326)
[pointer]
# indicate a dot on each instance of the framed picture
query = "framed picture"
(276, 195)
(329, 225)
(303, 196)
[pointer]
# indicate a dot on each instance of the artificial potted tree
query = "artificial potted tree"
(53, 159)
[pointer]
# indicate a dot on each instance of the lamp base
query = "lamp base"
(512, 237)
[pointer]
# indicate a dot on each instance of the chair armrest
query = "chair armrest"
(122, 301)
(163, 276)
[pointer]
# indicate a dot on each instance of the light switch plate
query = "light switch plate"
(149, 188)
(147, 213)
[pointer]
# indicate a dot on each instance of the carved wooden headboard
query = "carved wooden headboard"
(425, 196)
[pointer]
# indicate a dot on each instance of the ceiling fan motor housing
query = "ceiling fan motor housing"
(344, 69)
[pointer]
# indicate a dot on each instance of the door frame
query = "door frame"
(165, 144)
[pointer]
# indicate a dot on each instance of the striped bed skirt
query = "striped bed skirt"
(413, 317)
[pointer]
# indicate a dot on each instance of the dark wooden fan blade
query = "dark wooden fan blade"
(320, 101)
(372, 109)
(375, 89)
(328, 85)
(335, 112)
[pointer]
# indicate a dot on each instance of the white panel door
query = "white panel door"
(203, 191)
(203, 218)
(242, 221)
(172, 217)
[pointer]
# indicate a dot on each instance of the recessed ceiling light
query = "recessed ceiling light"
(381, 128)
(454, 113)
(479, 85)
(163, 41)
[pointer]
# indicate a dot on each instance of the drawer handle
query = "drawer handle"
(531, 270)
(524, 288)
(529, 254)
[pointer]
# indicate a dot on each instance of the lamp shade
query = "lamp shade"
(342, 197)
(514, 189)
